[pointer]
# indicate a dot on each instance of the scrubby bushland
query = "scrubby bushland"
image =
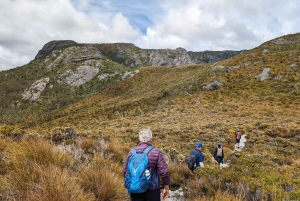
(36, 169)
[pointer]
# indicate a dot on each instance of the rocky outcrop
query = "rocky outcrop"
(34, 92)
(177, 57)
(53, 45)
(78, 77)
(129, 74)
(71, 56)
(281, 41)
(105, 75)
(264, 75)
(213, 85)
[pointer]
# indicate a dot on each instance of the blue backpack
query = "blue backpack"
(138, 178)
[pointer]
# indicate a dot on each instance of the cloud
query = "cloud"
(13, 58)
(219, 25)
(26, 25)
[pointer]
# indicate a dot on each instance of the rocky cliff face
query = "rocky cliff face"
(49, 47)
(131, 56)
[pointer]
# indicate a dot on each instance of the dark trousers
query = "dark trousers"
(219, 159)
(149, 195)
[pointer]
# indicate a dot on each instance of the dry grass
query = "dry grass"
(29, 181)
(37, 170)
(100, 180)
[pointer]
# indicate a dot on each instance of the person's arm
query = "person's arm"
(165, 193)
(215, 153)
(163, 171)
(124, 169)
(201, 164)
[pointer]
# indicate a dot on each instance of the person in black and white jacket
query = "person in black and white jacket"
(219, 154)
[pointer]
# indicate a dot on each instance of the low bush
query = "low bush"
(102, 180)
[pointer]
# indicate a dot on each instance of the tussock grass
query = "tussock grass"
(29, 181)
(99, 179)
(36, 170)
(39, 152)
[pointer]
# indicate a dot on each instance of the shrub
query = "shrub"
(116, 152)
(101, 180)
(179, 172)
(294, 195)
(13, 132)
(40, 152)
(29, 181)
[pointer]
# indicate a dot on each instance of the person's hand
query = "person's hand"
(165, 193)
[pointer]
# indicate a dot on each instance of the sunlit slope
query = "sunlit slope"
(243, 93)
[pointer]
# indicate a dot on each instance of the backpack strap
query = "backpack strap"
(133, 151)
(148, 149)
(197, 152)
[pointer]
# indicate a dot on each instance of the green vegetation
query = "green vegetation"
(114, 57)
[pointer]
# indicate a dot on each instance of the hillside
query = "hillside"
(261, 83)
(64, 72)
(256, 91)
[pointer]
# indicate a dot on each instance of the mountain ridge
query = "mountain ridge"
(128, 52)
(79, 70)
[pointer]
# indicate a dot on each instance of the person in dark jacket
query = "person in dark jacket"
(219, 154)
(199, 157)
(157, 164)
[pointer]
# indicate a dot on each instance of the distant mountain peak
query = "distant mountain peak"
(52, 45)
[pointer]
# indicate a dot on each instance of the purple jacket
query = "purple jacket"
(156, 162)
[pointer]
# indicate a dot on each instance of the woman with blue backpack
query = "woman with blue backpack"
(142, 168)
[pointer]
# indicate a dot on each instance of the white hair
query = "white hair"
(145, 135)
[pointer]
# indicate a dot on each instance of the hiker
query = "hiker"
(158, 167)
(198, 157)
(219, 154)
(238, 138)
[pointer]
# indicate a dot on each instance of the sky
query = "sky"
(195, 25)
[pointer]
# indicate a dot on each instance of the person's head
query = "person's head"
(219, 144)
(145, 135)
(198, 145)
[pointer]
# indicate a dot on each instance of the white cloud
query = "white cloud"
(219, 25)
(26, 25)
(9, 57)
